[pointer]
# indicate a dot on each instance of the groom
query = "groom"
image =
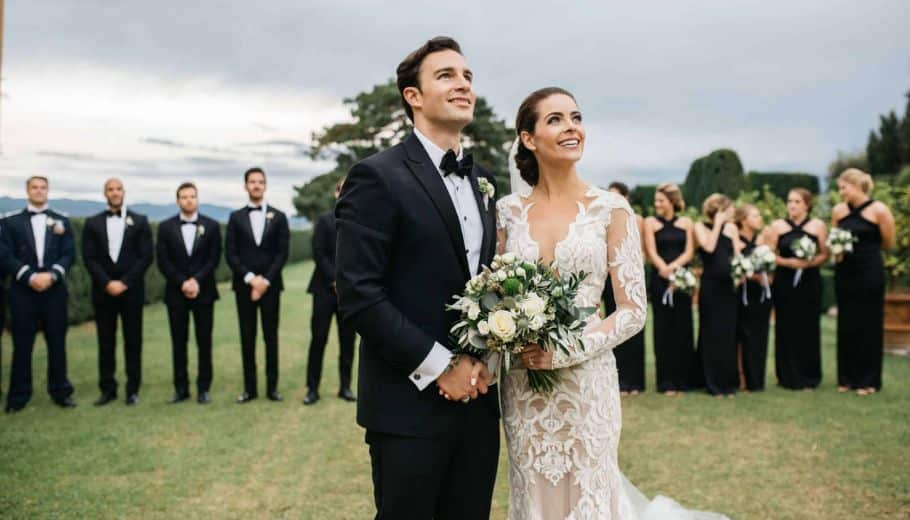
(412, 229)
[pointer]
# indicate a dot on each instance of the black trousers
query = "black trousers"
(325, 305)
(268, 308)
(443, 478)
(178, 314)
(29, 312)
(2, 326)
(129, 310)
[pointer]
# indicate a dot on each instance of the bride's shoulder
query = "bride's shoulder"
(509, 203)
(606, 199)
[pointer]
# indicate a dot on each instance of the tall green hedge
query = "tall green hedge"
(780, 183)
(720, 171)
(79, 282)
(642, 198)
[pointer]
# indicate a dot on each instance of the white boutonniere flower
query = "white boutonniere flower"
(270, 215)
(487, 190)
(129, 220)
(200, 230)
(50, 221)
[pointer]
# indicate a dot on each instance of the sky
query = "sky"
(161, 92)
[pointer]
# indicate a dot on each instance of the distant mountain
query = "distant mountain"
(155, 212)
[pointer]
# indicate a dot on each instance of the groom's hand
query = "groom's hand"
(456, 383)
(481, 376)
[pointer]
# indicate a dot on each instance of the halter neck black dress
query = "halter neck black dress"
(752, 324)
(797, 331)
(717, 320)
(860, 286)
(674, 345)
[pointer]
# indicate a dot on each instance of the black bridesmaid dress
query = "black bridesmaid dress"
(630, 355)
(860, 286)
(752, 324)
(717, 320)
(672, 320)
(797, 331)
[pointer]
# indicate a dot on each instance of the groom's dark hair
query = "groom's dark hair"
(409, 68)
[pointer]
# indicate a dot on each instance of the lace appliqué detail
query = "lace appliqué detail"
(563, 445)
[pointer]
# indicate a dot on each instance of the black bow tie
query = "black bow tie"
(185, 222)
(112, 213)
(254, 208)
(33, 213)
(450, 164)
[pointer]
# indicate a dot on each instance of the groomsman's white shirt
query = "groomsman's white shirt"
(39, 232)
(257, 223)
(462, 194)
(189, 231)
(115, 229)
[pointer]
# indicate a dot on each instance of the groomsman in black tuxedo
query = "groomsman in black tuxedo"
(39, 252)
(256, 249)
(3, 255)
(117, 251)
(325, 305)
(188, 250)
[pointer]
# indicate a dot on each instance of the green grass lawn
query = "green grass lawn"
(777, 454)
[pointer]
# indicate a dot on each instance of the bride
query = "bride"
(563, 445)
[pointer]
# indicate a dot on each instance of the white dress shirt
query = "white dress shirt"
(39, 231)
(189, 231)
(116, 226)
(462, 194)
(257, 223)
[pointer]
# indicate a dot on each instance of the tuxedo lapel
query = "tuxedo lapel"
(428, 176)
(197, 238)
(30, 235)
(178, 235)
(248, 226)
(489, 233)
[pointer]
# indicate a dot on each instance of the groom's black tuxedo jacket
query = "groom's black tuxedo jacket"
(178, 267)
(400, 259)
(136, 255)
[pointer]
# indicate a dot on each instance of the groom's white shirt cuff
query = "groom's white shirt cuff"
(432, 366)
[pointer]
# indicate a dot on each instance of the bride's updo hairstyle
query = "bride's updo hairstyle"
(525, 121)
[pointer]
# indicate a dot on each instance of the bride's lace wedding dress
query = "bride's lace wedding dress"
(563, 445)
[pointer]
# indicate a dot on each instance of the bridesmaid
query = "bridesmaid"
(718, 242)
(797, 331)
(860, 284)
(630, 356)
(752, 320)
(670, 243)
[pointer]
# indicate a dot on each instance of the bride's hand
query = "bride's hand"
(535, 358)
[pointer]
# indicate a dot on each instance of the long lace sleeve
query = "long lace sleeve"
(626, 268)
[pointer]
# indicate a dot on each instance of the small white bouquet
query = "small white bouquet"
(765, 262)
(741, 267)
(681, 279)
(803, 248)
(840, 241)
(512, 304)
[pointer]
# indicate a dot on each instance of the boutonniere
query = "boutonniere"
(487, 190)
(129, 220)
(57, 225)
(200, 230)
(270, 215)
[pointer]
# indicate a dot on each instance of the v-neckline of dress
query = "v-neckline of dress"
(582, 211)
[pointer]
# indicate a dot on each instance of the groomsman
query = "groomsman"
(3, 255)
(325, 305)
(188, 250)
(117, 251)
(40, 249)
(256, 249)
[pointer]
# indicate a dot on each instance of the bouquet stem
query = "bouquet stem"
(543, 381)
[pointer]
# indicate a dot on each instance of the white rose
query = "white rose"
(800, 254)
(483, 328)
(473, 311)
(533, 305)
(537, 322)
(509, 258)
(521, 272)
(501, 276)
(747, 264)
(502, 325)
(837, 249)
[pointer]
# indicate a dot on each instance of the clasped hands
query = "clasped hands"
(40, 282)
(190, 288)
(467, 379)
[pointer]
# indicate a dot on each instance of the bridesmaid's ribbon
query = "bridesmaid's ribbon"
(668, 297)
(745, 294)
(766, 293)
(797, 277)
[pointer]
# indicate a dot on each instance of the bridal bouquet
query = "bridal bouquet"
(512, 304)
(681, 279)
(803, 248)
(741, 267)
(840, 241)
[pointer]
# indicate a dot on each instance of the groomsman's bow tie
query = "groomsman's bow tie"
(112, 213)
(254, 208)
(33, 213)
(185, 222)
(450, 164)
